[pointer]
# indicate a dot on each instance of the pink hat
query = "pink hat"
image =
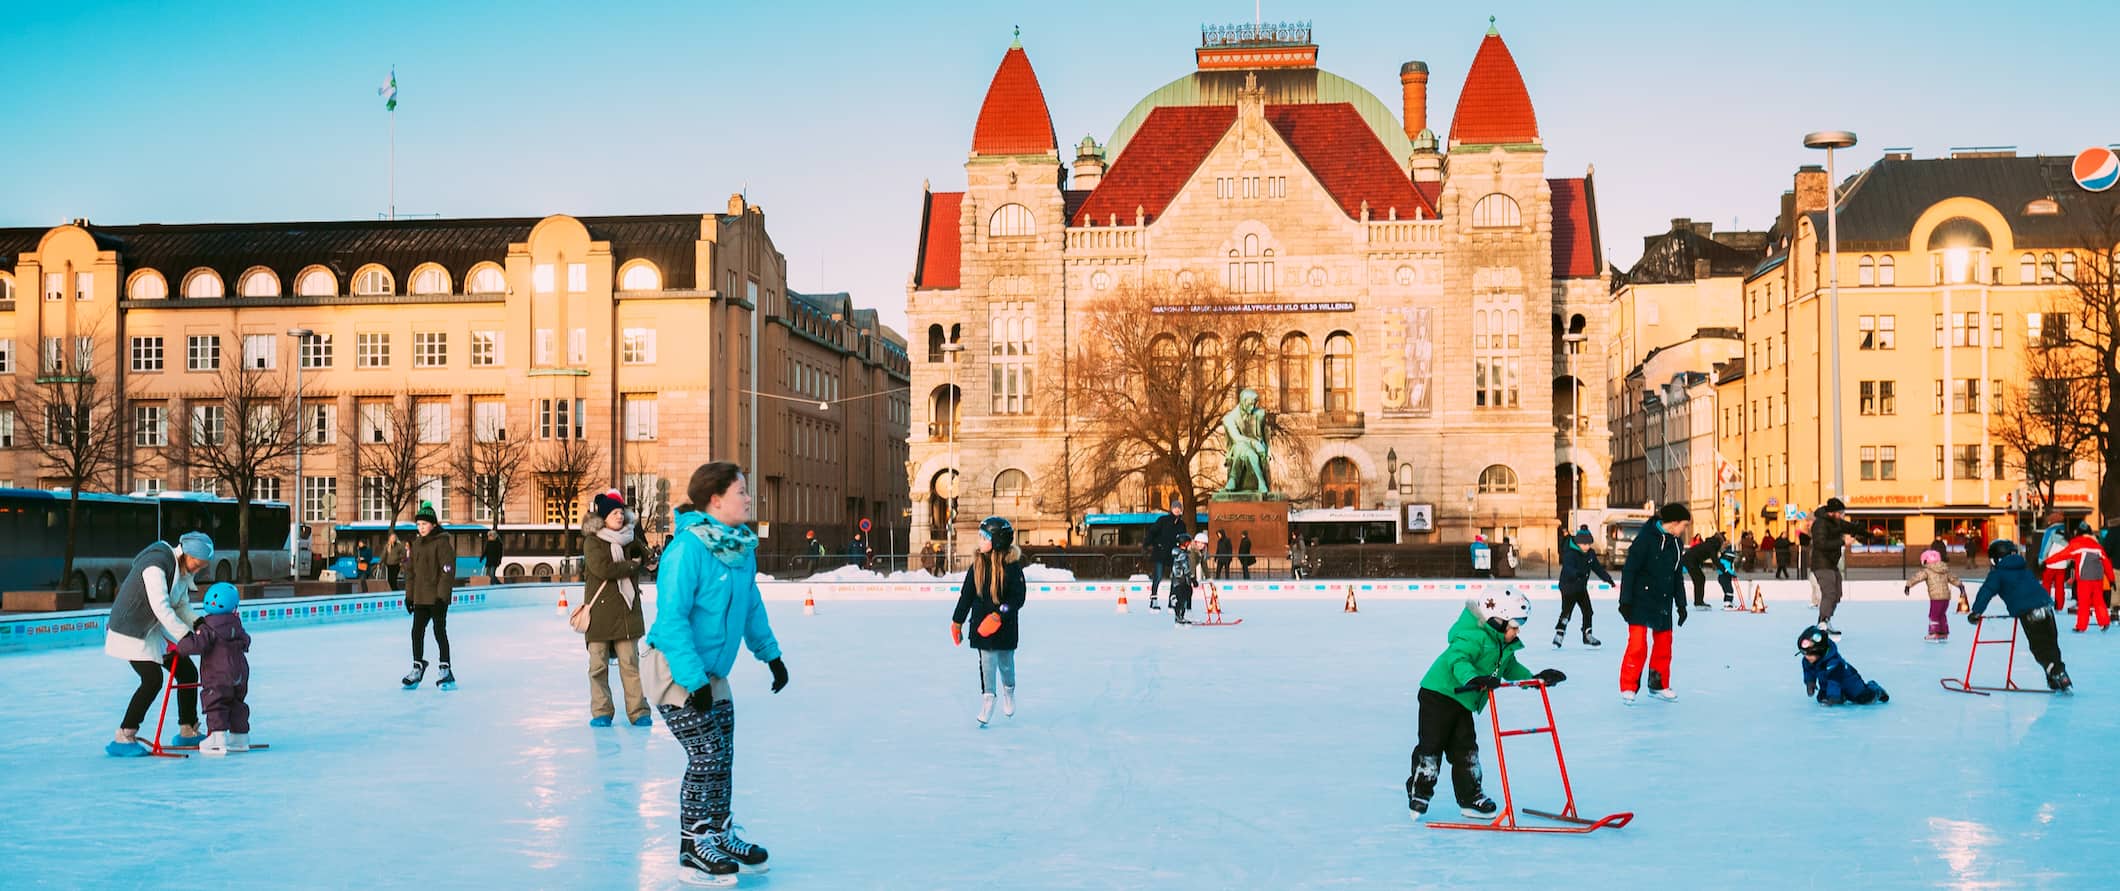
(1931, 558)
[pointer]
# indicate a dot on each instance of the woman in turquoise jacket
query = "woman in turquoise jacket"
(706, 605)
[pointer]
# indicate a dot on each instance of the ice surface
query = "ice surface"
(1269, 755)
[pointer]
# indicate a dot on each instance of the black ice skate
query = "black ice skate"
(749, 857)
(412, 678)
(700, 862)
(1480, 806)
(1416, 803)
(448, 679)
(2057, 679)
(1590, 640)
(1559, 634)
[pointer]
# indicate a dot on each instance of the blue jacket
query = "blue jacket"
(1649, 588)
(2016, 584)
(703, 609)
(1577, 565)
(1831, 676)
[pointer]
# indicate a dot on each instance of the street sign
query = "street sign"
(864, 524)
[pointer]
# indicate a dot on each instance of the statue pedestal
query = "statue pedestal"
(1266, 520)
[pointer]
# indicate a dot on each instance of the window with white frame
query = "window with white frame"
(487, 280)
(261, 352)
(374, 507)
(577, 278)
(490, 492)
(320, 494)
(209, 425)
(150, 426)
(430, 349)
(202, 352)
(639, 347)
(1885, 274)
(7, 428)
(146, 353)
(267, 489)
(1496, 211)
(639, 417)
(431, 280)
(1496, 348)
(543, 279)
(578, 347)
(84, 354)
(485, 349)
(202, 285)
(152, 485)
(489, 421)
(1250, 266)
(373, 281)
(435, 490)
(315, 350)
(259, 283)
(640, 277)
(317, 282)
(371, 349)
(544, 345)
(561, 419)
(206, 485)
(432, 419)
(323, 421)
(1866, 270)
(374, 423)
(1011, 221)
(1014, 349)
(7, 355)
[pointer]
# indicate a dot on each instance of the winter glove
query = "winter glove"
(1972, 619)
(701, 699)
(1624, 615)
(1550, 676)
(198, 623)
(1480, 684)
(990, 624)
(1810, 688)
(1681, 613)
(780, 674)
(956, 635)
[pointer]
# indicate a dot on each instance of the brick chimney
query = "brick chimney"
(1413, 97)
(1811, 188)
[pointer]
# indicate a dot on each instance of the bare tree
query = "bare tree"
(2051, 420)
(245, 432)
(652, 500)
(72, 418)
(565, 464)
(1151, 376)
(2087, 319)
(488, 469)
(388, 447)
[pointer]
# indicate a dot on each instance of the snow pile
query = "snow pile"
(1039, 572)
(857, 574)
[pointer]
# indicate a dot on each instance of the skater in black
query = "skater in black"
(2028, 603)
(1578, 562)
(1697, 559)
(1164, 537)
(991, 599)
(1188, 573)
(430, 584)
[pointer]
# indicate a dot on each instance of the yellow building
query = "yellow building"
(1947, 266)
(631, 334)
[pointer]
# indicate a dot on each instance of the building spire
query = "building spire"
(1017, 43)
(1490, 27)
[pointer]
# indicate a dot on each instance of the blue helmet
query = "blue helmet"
(221, 599)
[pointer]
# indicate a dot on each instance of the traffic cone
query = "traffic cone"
(1350, 607)
(1759, 601)
(562, 603)
(809, 602)
(1122, 604)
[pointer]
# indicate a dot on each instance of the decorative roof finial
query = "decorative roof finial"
(1490, 27)
(1018, 42)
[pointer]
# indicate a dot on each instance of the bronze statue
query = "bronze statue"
(1246, 456)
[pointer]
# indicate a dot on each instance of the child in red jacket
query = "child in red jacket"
(2084, 560)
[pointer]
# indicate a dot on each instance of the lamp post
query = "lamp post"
(951, 352)
(1830, 140)
(299, 335)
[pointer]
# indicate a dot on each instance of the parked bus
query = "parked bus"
(1344, 525)
(112, 529)
(539, 550)
(347, 538)
(1129, 530)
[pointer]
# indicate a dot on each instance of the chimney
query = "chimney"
(1413, 97)
(1811, 188)
(735, 204)
(1704, 229)
(1702, 269)
(1681, 224)
(1089, 164)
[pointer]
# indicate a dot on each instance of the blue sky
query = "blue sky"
(831, 114)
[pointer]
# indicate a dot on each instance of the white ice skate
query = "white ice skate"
(1008, 702)
(986, 708)
(239, 742)
(1666, 694)
(215, 744)
(1626, 697)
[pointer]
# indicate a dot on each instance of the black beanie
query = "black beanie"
(608, 501)
(1673, 512)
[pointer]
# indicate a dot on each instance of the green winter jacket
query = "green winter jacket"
(1475, 649)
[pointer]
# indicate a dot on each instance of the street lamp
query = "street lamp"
(1830, 140)
(951, 352)
(295, 533)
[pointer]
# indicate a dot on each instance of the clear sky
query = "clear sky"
(831, 114)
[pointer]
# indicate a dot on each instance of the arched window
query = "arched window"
(1496, 211)
(942, 415)
(1251, 363)
(2046, 269)
(1251, 266)
(147, 284)
(934, 343)
(1497, 479)
(430, 279)
(1340, 484)
(1012, 483)
(1011, 221)
(202, 284)
(1295, 373)
(7, 287)
(639, 275)
(2026, 269)
(259, 282)
(373, 280)
(1885, 275)
(2068, 266)
(1866, 271)
(1207, 362)
(486, 278)
(1164, 359)
(1339, 372)
(316, 281)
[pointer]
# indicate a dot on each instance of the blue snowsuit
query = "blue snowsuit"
(1834, 681)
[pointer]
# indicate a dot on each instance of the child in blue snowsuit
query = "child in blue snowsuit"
(1829, 677)
(1726, 575)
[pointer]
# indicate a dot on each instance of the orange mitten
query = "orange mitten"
(956, 635)
(990, 624)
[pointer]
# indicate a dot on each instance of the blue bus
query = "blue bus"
(347, 538)
(112, 529)
(1127, 529)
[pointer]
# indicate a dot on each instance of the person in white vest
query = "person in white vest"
(152, 611)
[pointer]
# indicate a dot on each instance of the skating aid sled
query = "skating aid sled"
(1214, 611)
(2009, 684)
(169, 691)
(1506, 821)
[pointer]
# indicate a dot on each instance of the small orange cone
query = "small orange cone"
(1759, 601)
(563, 602)
(809, 602)
(1350, 607)
(1122, 604)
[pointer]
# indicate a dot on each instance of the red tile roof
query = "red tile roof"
(1575, 246)
(1014, 119)
(940, 251)
(1494, 107)
(1331, 139)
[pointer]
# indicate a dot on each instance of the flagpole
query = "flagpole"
(393, 164)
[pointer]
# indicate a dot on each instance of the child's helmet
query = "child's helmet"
(1199, 539)
(1510, 607)
(998, 531)
(221, 599)
(2000, 548)
(1930, 557)
(1813, 641)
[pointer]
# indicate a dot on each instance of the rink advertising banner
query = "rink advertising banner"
(1232, 308)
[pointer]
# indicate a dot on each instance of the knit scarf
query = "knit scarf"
(619, 539)
(729, 544)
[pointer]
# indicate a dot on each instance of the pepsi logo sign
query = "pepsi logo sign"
(2097, 168)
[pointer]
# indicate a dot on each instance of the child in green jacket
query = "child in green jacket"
(1481, 657)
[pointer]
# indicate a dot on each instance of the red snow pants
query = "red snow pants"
(2056, 582)
(1638, 651)
(2090, 603)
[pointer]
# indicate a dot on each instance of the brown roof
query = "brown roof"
(1014, 120)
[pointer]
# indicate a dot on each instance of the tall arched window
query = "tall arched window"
(1866, 271)
(1339, 372)
(1885, 274)
(316, 281)
(1497, 479)
(202, 284)
(1251, 266)
(1496, 211)
(1207, 362)
(485, 278)
(147, 284)
(1295, 373)
(7, 287)
(1340, 484)
(1251, 363)
(373, 281)
(1012, 483)
(2027, 267)
(1165, 361)
(942, 414)
(430, 279)
(934, 343)
(2068, 266)
(259, 282)
(639, 275)
(2046, 269)
(1011, 221)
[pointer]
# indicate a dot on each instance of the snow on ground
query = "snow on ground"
(1269, 755)
(1034, 572)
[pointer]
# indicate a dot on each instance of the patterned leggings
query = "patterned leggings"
(709, 739)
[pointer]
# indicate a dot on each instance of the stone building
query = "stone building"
(633, 333)
(1444, 300)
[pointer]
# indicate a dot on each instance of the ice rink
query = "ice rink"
(1269, 755)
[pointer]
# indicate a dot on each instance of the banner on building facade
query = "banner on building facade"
(1408, 356)
(1221, 308)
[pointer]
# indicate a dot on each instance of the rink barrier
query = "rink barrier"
(85, 628)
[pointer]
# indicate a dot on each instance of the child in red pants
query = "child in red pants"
(1650, 592)
(2084, 560)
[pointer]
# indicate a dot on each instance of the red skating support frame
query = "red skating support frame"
(1506, 821)
(168, 691)
(2009, 684)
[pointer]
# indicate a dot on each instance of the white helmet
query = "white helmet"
(1508, 607)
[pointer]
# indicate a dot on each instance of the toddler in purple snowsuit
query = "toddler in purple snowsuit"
(220, 642)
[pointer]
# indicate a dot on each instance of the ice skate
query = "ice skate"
(412, 678)
(600, 721)
(986, 708)
(1666, 694)
(1559, 634)
(1481, 806)
(1152, 602)
(700, 862)
(1626, 697)
(2057, 679)
(239, 742)
(1415, 803)
(448, 679)
(1590, 640)
(215, 744)
(1933, 637)
(1008, 705)
(749, 857)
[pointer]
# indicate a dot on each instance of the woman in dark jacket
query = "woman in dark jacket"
(612, 555)
(991, 598)
(430, 584)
